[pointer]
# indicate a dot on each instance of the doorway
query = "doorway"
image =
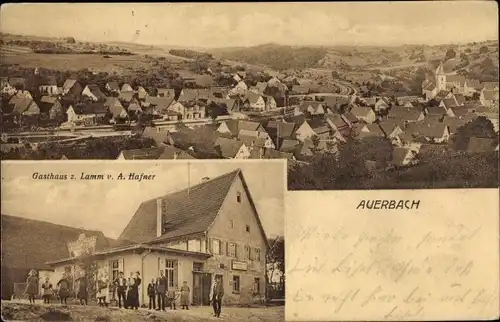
(202, 282)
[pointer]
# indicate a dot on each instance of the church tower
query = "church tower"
(440, 78)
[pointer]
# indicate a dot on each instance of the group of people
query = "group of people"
(159, 290)
(62, 289)
(127, 290)
(160, 294)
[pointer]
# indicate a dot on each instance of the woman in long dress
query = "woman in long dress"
(82, 294)
(185, 296)
(102, 292)
(32, 286)
(63, 289)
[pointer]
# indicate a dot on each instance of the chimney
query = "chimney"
(205, 179)
(159, 217)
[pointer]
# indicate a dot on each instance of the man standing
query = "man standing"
(121, 286)
(216, 295)
(161, 288)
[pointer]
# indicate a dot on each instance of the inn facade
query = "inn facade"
(207, 230)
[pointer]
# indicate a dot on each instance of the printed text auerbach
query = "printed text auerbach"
(388, 204)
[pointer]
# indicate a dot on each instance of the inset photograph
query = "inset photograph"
(127, 241)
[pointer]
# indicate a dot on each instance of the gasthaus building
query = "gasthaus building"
(194, 234)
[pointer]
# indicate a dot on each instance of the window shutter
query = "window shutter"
(236, 251)
(121, 264)
(210, 247)
(227, 248)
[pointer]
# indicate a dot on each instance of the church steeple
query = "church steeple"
(440, 78)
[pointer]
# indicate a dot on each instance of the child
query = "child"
(32, 286)
(102, 292)
(63, 288)
(152, 294)
(185, 296)
(172, 297)
(47, 290)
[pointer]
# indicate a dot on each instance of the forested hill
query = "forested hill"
(277, 57)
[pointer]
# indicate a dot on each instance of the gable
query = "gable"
(242, 213)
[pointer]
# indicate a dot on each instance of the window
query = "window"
(247, 252)
(216, 247)
(197, 267)
(194, 245)
(238, 197)
(171, 272)
(236, 284)
(115, 269)
(231, 249)
(247, 228)
(67, 269)
(231, 224)
(256, 285)
(257, 254)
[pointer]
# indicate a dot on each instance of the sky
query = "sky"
(108, 206)
(248, 24)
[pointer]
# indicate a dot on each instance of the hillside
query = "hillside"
(278, 57)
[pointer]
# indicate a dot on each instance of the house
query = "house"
(93, 92)
(126, 98)
(391, 131)
(460, 99)
(206, 230)
(51, 106)
(405, 114)
(112, 87)
(166, 92)
(448, 104)
(160, 105)
(339, 123)
(434, 133)
(241, 87)
(141, 93)
(48, 86)
(189, 110)
(435, 111)
(281, 130)
(310, 107)
(364, 113)
(259, 88)
(267, 153)
(382, 104)
(481, 145)
(256, 139)
(289, 146)
(231, 149)
(24, 106)
(471, 86)
(115, 107)
(41, 242)
(233, 127)
(126, 88)
(173, 153)
(72, 87)
(88, 113)
(17, 83)
(140, 154)
(489, 98)
(402, 157)
(255, 102)
(456, 83)
(228, 103)
(270, 103)
(368, 130)
(311, 128)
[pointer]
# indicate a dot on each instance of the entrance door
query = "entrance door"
(202, 282)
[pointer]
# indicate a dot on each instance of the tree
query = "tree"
(87, 264)
(275, 259)
(481, 127)
(483, 50)
(450, 53)
(476, 96)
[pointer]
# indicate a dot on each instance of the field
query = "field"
(73, 62)
(55, 312)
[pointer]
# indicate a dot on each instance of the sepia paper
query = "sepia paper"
(437, 261)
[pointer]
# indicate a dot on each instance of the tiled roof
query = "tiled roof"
(281, 129)
(142, 154)
(94, 89)
(126, 96)
(48, 99)
(188, 211)
(252, 97)
(93, 108)
(127, 88)
(361, 111)
(173, 153)
(69, 83)
(29, 243)
(490, 95)
(404, 113)
(113, 86)
(227, 148)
